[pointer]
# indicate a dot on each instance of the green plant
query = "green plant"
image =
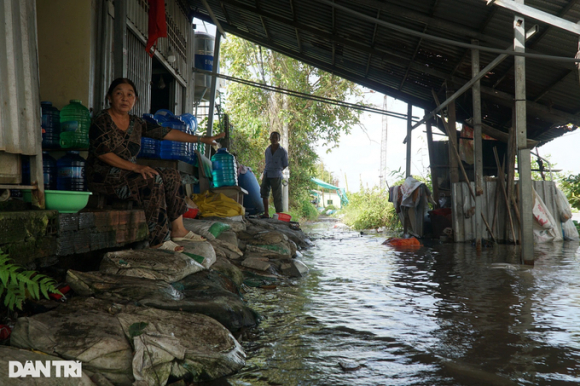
(302, 209)
(571, 187)
(17, 284)
(370, 209)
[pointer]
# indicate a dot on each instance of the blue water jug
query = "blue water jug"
(50, 126)
(75, 120)
(191, 123)
(149, 146)
(71, 172)
(225, 171)
(49, 171)
(252, 201)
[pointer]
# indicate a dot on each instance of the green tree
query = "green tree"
(254, 112)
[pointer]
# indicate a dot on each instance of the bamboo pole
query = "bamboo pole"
(501, 178)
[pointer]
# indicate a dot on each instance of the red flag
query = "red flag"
(157, 24)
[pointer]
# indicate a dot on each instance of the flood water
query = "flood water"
(440, 315)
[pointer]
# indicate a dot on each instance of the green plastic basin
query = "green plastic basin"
(61, 200)
(65, 201)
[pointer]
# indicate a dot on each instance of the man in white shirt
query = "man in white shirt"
(276, 162)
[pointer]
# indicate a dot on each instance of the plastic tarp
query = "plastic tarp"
(340, 191)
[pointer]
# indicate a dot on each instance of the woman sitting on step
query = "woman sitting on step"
(115, 141)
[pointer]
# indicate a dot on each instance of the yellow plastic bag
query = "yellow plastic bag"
(217, 205)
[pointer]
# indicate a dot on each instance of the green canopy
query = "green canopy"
(340, 191)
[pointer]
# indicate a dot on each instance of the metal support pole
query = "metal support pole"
(409, 128)
(524, 162)
(120, 39)
(477, 144)
(452, 132)
(434, 179)
(212, 87)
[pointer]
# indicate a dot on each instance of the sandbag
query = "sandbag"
(569, 231)
(208, 229)
(203, 252)
(81, 329)
(228, 250)
(270, 244)
(120, 288)
(179, 344)
(236, 224)
(564, 209)
(203, 294)
(8, 354)
(150, 264)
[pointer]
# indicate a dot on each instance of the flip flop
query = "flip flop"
(170, 246)
(189, 237)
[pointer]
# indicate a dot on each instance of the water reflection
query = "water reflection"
(442, 315)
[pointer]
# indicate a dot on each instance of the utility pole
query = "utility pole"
(383, 164)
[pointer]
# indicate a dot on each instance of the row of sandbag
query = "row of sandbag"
(146, 315)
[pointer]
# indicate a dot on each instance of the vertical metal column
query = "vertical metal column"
(453, 160)
(477, 144)
(409, 132)
(434, 174)
(212, 92)
(524, 163)
(120, 39)
(285, 142)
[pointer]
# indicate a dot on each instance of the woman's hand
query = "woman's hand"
(145, 171)
(211, 140)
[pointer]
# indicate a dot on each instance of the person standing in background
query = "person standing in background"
(276, 162)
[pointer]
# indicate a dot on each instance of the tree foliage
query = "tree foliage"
(255, 112)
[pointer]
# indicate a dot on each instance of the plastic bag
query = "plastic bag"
(411, 242)
(564, 209)
(569, 231)
(541, 213)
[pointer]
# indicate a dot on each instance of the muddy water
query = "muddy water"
(440, 315)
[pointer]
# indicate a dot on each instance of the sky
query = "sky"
(356, 160)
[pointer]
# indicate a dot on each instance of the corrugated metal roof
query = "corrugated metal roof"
(407, 67)
(20, 131)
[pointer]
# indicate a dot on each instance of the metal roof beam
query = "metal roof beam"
(214, 19)
(547, 89)
(536, 14)
(295, 20)
(473, 80)
(326, 67)
(375, 28)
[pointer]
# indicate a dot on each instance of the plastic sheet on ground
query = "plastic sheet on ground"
(217, 204)
(150, 264)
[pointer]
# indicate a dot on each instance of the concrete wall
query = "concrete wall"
(65, 33)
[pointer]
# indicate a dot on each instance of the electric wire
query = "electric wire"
(312, 97)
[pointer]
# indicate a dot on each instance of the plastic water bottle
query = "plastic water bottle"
(50, 126)
(149, 146)
(49, 171)
(225, 171)
(71, 172)
(75, 120)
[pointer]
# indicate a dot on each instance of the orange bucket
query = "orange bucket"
(284, 217)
